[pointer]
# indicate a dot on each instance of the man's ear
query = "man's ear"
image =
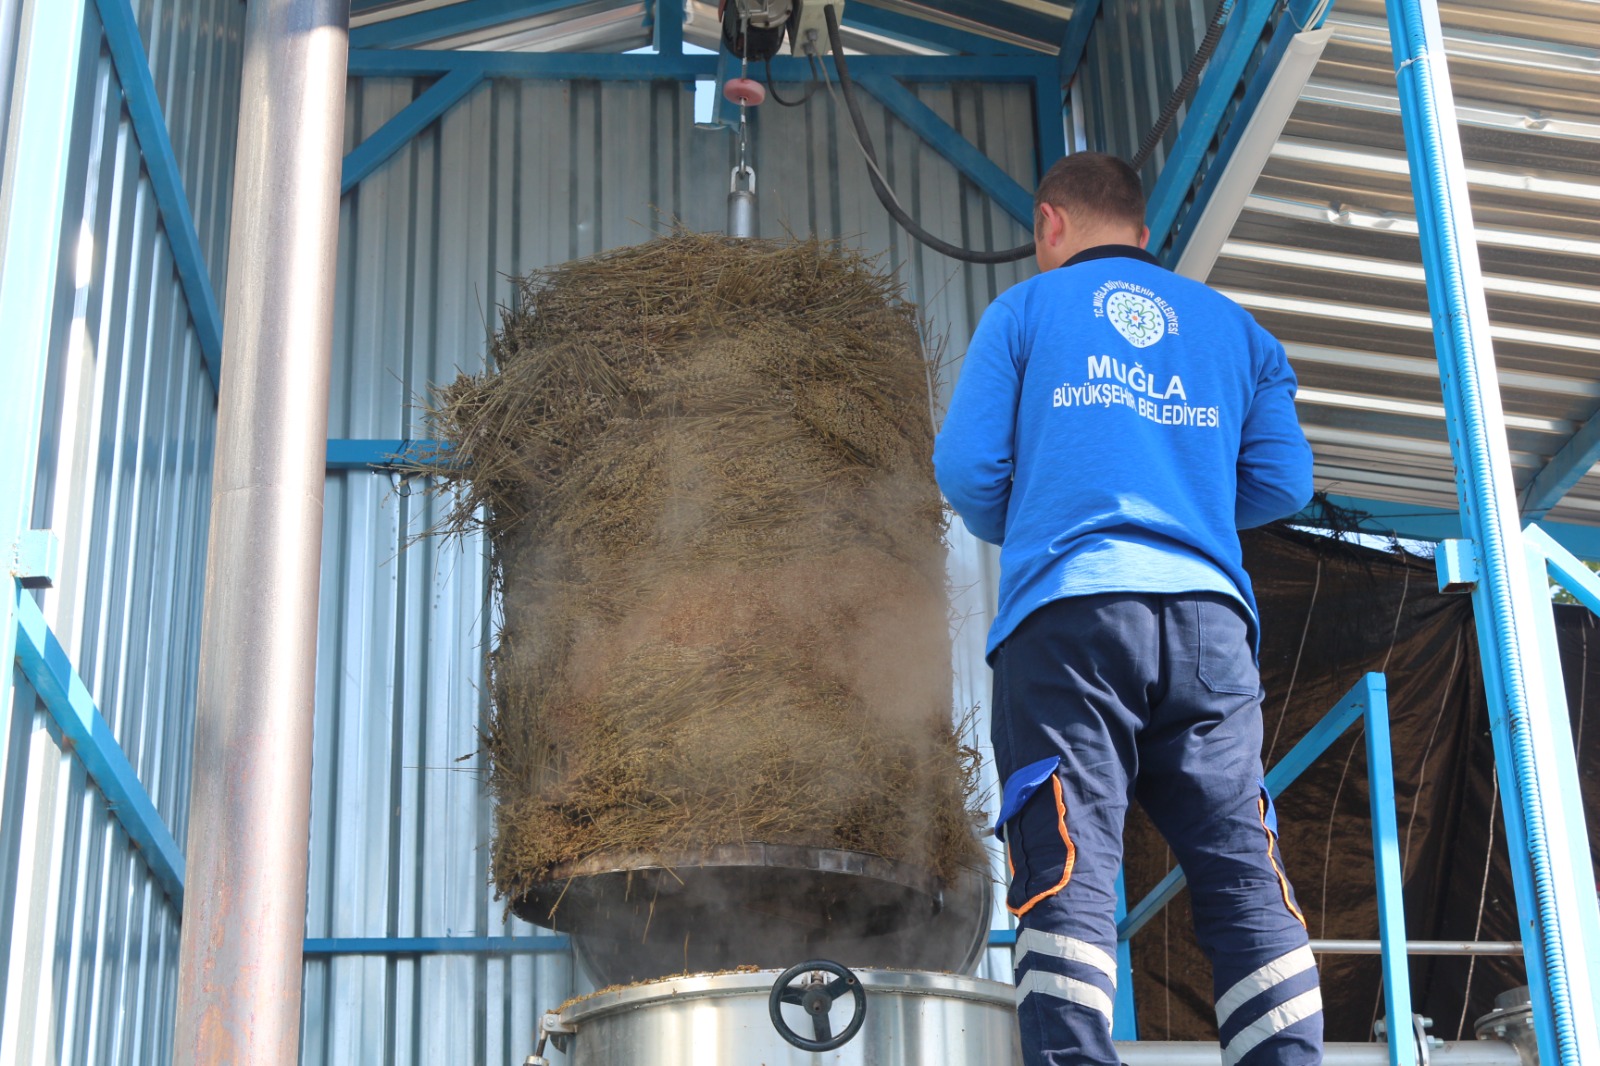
(1051, 223)
(1144, 236)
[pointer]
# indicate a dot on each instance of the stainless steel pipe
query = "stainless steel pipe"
(1462, 1053)
(1419, 947)
(239, 969)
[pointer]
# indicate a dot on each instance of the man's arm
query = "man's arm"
(974, 453)
(1274, 470)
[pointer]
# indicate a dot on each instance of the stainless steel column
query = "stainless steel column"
(245, 900)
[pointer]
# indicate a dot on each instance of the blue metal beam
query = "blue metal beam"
(921, 32)
(1124, 1014)
(1390, 875)
(1566, 568)
(1301, 15)
(1564, 470)
(1217, 88)
(1076, 41)
(667, 26)
(144, 110)
(415, 117)
(370, 454)
(1253, 95)
(84, 732)
(436, 945)
(942, 138)
(450, 20)
(1050, 125)
(1413, 521)
(1555, 889)
(404, 63)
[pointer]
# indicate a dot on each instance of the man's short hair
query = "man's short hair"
(1093, 185)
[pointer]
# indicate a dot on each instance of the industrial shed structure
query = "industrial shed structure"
(482, 139)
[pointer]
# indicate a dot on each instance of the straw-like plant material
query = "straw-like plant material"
(703, 466)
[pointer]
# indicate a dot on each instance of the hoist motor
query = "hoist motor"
(755, 30)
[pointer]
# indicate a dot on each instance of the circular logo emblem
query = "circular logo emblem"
(1139, 320)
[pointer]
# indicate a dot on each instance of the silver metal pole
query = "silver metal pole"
(239, 969)
(1419, 947)
(1463, 1053)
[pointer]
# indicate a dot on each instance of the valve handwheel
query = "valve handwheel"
(816, 996)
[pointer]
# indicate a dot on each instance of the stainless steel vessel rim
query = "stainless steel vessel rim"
(770, 856)
(723, 985)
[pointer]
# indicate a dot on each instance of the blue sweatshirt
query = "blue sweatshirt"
(1113, 427)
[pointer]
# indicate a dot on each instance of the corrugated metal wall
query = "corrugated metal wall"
(1134, 58)
(522, 175)
(89, 939)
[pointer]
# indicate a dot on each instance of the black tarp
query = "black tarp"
(1330, 612)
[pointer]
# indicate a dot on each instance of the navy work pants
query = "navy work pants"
(1102, 699)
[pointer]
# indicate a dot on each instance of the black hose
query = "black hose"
(887, 197)
(1185, 87)
(772, 88)
(1180, 96)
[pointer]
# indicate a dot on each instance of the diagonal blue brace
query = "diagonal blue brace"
(942, 138)
(412, 119)
(1073, 45)
(449, 20)
(144, 110)
(1565, 469)
(83, 731)
(1566, 568)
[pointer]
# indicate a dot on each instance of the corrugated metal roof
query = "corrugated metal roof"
(1326, 253)
(525, 174)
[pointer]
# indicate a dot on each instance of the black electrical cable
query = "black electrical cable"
(772, 88)
(885, 195)
(1180, 96)
(1186, 85)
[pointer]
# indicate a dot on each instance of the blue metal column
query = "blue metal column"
(1555, 888)
(32, 203)
(1124, 1015)
(1386, 858)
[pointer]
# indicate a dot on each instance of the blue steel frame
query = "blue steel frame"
(376, 51)
(1555, 968)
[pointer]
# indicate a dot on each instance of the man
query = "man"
(1113, 426)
